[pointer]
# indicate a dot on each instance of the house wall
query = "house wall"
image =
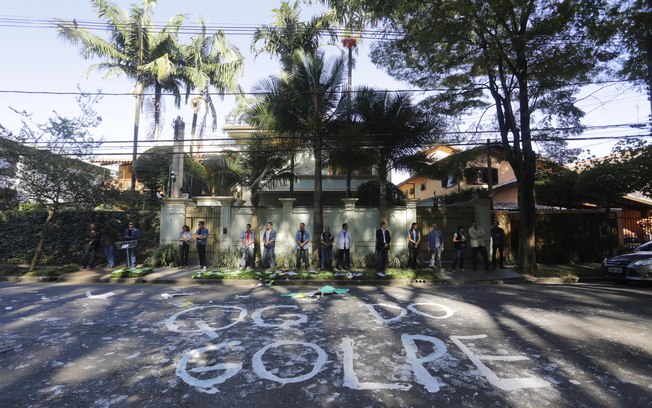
(434, 186)
(363, 223)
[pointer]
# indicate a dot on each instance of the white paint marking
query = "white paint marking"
(103, 296)
(506, 384)
(379, 318)
(202, 326)
(351, 379)
(208, 385)
(448, 310)
(420, 372)
(262, 372)
(258, 320)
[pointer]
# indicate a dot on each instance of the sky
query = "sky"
(36, 60)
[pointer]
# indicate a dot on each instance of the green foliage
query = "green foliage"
(152, 168)
(131, 272)
(368, 194)
(227, 258)
(64, 242)
(164, 255)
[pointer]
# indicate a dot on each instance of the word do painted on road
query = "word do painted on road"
(415, 360)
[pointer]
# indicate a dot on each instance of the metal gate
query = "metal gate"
(636, 227)
(447, 218)
(211, 218)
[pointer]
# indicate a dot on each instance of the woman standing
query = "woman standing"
(459, 242)
(184, 239)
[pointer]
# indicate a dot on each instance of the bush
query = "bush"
(227, 258)
(64, 239)
(165, 255)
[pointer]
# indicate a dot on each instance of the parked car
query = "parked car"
(633, 266)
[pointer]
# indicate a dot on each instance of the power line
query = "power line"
(342, 91)
(236, 148)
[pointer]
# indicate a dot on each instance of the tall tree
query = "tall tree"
(210, 62)
(525, 57)
(300, 106)
(260, 165)
(393, 129)
(289, 34)
(47, 175)
(633, 20)
(134, 50)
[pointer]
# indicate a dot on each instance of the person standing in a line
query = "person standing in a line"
(108, 239)
(435, 246)
(414, 238)
(476, 239)
(344, 248)
(91, 245)
(131, 234)
(185, 236)
(383, 238)
(497, 245)
(459, 243)
(327, 249)
(201, 235)
(302, 240)
(248, 242)
(269, 242)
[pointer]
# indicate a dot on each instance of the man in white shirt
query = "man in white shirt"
(476, 235)
(343, 243)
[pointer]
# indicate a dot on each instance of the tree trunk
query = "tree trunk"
(382, 189)
(526, 200)
(255, 224)
(157, 111)
(41, 241)
(134, 156)
(192, 135)
(318, 216)
(527, 213)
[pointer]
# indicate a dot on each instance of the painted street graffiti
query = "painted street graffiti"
(205, 368)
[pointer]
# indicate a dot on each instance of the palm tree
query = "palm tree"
(394, 129)
(210, 61)
(134, 50)
(289, 34)
(300, 106)
(261, 165)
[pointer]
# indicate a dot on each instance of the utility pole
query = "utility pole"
(176, 170)
(490, 176)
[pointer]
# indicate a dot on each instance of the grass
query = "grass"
(131, 272)
(282, 274)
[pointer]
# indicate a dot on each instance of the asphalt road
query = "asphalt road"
(107, 345)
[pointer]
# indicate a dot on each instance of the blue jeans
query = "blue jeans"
(269, 260)
(327, 258)
(131, 262)
(110, 255)
(459, 256)
(381, 259)
(248, 256)
(302, 255)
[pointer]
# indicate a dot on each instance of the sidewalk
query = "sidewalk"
(175, 276)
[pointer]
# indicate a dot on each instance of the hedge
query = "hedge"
(64, 241)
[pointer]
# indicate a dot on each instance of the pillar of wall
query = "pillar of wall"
(284, 234)
(173, 218)
(227, 235)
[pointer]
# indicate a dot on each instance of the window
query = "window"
(480, 175)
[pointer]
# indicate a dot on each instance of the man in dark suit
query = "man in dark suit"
(382, 246)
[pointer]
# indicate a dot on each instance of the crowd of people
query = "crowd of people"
(109, 240)
(328, 246)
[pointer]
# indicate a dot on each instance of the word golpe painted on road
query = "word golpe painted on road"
(225, 371)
